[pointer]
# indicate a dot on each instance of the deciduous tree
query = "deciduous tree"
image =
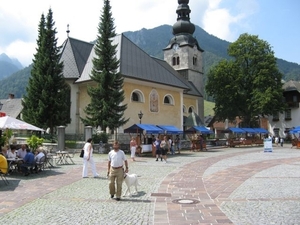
(249, 85)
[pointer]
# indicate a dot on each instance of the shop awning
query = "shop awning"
(144, 128)
(295, 130)
(260, 130)
(234, 130)
(170, 129)
(250, 130)
(201, 129)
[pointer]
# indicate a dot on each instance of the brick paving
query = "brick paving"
(221, 186)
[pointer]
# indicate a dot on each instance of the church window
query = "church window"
(194, 61)
(191, 109)
(137, 96)
(175, 61)
(168, 99)
(183, 109)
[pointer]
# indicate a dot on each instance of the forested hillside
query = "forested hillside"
(153, 41)
(15, 83)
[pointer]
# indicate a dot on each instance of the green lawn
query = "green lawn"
(208, 108)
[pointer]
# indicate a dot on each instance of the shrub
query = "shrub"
(100, 137)
(34, 142)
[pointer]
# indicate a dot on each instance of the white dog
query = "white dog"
(131, 180)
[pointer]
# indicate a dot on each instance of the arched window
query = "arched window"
(175, 60)
(137, 96)
(194, 60)
(191, 109)
(168, 99)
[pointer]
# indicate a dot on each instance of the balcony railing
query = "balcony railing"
(293, 104)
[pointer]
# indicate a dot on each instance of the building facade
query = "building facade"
(164, 92)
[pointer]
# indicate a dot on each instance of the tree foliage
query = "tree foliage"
(47, 101)
(249, 85)
(107, 95)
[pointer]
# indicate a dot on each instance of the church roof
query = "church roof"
(134, 63)
(75, 55)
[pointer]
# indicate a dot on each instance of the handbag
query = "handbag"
(81, 153)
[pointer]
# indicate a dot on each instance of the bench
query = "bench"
(246, 142)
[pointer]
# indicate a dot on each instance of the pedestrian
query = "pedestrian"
(276, 140)
(171, 144)
(164, 146)
(200, 139)
(281, 141)
(177, 143)
(88, 158)
(133, 146)
(156, 144)
(115, 170)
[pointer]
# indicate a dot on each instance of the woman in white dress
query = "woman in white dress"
(88, 158)
(133, 146)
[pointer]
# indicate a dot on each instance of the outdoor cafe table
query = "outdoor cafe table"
(13, 162)
(62, 157)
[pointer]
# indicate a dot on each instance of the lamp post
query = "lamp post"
(140, 115)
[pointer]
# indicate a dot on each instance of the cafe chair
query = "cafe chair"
(71, 155)
(40, 165)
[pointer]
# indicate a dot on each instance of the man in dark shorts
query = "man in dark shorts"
(156, 144)
(164, 146)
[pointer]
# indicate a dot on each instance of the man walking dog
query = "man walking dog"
(115, 171)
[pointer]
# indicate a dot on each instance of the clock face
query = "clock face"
(175, 46)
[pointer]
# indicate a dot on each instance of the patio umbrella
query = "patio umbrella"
(8, 122)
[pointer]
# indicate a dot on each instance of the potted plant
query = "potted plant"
(34, 142)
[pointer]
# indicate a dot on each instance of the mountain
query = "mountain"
(153, 41)
(15, 83)
(8, 66)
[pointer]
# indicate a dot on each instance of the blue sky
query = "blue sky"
(272, 20)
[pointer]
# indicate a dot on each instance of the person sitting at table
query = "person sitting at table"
(22, 151)
(39, 154)
(11, 154)
(28, 161)
(4, 151)
(3, 164)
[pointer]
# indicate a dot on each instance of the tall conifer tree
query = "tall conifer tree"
(47, 103)
(106, 109)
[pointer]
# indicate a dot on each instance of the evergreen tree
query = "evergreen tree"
(107, 95)
(249, 85)
(47, 101)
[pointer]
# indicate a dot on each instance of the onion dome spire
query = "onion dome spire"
(183, 24)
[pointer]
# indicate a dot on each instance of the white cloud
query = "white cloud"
(23, 51)
(227, 22)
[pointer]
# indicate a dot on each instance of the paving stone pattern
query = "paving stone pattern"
(220, 186)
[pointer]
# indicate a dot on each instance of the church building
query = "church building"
(165, 91)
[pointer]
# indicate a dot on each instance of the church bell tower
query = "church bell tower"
(184, 54)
